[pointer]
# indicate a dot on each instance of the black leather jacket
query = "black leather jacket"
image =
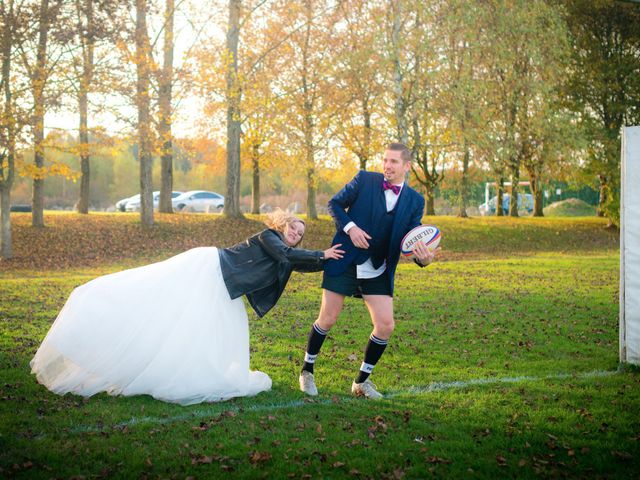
(260, 268)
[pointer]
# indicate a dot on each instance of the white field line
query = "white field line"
(439, 386)
(218, 408)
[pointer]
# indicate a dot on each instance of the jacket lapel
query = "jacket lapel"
(382, 199)
(380, 203)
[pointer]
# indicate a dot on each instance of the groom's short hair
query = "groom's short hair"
(401, 147)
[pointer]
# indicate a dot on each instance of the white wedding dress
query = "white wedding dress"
(169, 330)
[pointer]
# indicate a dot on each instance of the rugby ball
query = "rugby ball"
(427, 234)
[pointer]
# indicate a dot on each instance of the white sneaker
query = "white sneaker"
(366, 389)
(308, 384)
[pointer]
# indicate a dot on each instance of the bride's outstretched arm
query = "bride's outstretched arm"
(280, 251)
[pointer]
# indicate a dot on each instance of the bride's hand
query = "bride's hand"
(334, 252)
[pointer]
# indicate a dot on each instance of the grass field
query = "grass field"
(504, 364)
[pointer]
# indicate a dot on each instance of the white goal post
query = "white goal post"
(630, 247)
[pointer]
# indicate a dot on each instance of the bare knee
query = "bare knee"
(328, 317)
(331, 307)
(383, 327)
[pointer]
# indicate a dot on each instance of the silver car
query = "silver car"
(121, 205)
(199, 201)
(133, 204)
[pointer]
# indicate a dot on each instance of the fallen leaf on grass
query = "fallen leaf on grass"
(625, 456)
(259, 457)
(397, 474)
(434, 459)
(201, 460)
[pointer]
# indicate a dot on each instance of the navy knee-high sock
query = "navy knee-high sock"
(316, 338)
(373, 352)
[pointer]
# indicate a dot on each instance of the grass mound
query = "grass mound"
(571, 207)
(75, 241)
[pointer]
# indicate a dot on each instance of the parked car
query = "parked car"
(525, 203)
(20, 208)
(121, 205)
(198, 201)
(133, 205)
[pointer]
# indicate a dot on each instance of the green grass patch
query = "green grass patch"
(504, 363)
(572, 207)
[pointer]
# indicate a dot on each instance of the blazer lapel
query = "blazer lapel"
(379, 205)
(382, 199)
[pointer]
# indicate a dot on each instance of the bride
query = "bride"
(176, 330)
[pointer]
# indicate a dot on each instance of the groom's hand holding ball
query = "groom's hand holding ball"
(421, 243)
(423, 254)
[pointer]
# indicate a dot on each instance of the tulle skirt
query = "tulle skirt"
(169, 330)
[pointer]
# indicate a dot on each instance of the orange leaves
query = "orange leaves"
(40, 173)
(207, 153)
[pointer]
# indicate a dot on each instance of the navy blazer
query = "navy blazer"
(363, 201)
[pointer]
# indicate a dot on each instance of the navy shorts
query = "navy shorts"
(350, 285)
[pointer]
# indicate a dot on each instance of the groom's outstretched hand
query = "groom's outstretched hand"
(359, 237)
(334, 252)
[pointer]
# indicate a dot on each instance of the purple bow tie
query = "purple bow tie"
(388, 186)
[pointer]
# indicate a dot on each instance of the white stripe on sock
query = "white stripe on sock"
(310, 358)
(377, 340)
(319, 330)
(366, 367)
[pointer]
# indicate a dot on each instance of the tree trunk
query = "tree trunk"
(309, 147)
(7, 170)
(601, 210)
(232, 201)
(255, 193)
(499, 196)
(513, 201)
(143, 67)
(312, 213)
(5, 221)
(87, 40)
(39, 80)
(536, 189)
(430, 204)
(366, 147)
(164, 100)
(37, 198)
(362, 161)
(464, 186)
(83, 200)
(400, 104)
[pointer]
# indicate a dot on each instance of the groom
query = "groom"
(372, 214)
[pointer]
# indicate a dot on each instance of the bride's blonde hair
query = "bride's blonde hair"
(279, 219)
